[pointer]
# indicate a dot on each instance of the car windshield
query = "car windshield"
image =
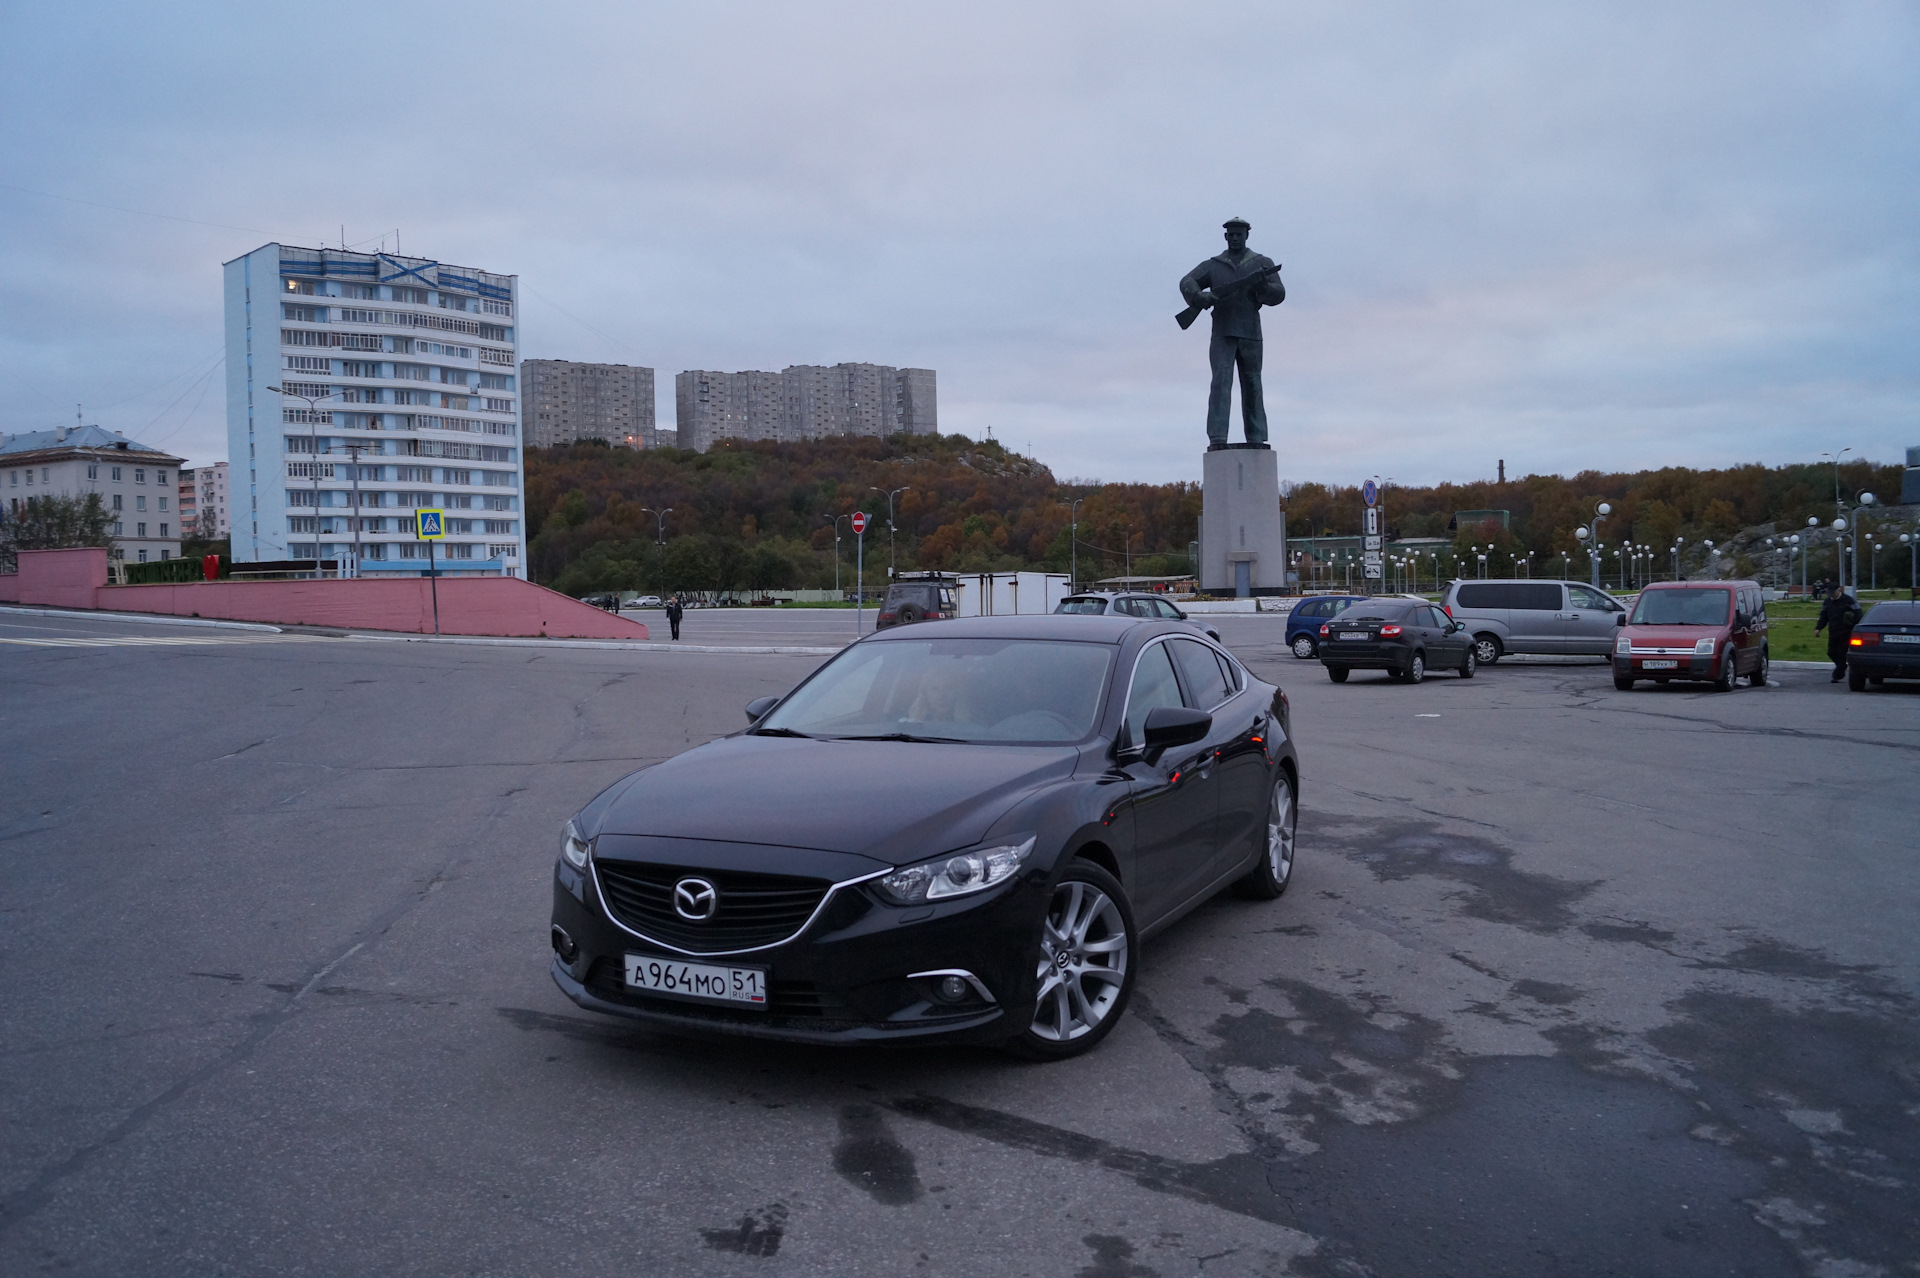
(1703, 607)
(1091, 607)
(1895, 614)
(969, 690)
(1373, 612)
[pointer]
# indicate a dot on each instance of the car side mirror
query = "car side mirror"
(758, 707)
(1169, 726)
(1741, 620)
(1455, 627)
(1619, 618)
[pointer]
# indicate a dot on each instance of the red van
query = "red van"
(1708, 631)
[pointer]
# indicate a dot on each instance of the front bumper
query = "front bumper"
(840, 981)
(1700, 666)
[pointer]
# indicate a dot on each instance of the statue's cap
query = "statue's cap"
(1240, 222)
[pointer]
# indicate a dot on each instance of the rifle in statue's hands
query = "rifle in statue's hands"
(1186, 318)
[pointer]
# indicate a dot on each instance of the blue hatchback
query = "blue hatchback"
(1304, 622)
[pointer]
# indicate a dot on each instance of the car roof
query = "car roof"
(1102, 628)
(1696, 585)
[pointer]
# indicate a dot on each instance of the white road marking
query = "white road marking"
(150, 641)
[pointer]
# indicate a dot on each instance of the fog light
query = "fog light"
(564, 945)
(952, 989)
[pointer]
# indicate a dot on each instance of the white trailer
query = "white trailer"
(998, 594)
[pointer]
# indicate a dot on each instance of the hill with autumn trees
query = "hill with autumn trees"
(762, 516)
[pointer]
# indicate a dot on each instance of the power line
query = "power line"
(547, 301)
(165, 217)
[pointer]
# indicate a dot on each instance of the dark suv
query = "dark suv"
(911, 601)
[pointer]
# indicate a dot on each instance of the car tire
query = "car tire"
(1084, 956)
(1856, 682)
(1337, 673)
(1469, 664)
(1488, 648)
(1269, 879)
(908, 613)
(1416, 668)
(1303, 647)
(1622, 684)
(1727, 678)
(1758, 679)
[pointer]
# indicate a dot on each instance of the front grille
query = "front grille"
(753, 909)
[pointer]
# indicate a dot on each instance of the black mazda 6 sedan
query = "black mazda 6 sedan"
(959, 832)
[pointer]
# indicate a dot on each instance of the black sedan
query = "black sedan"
(1404, 637)
(1885, 645)
(958, 832)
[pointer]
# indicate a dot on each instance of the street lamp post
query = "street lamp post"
(1073, 544)
(1600, 512)
(313, 450)
(890, 496)
(1912, 544)
(659, 523)
(353, 452)
(836, 551)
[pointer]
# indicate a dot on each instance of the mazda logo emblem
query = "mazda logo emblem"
(695, 900)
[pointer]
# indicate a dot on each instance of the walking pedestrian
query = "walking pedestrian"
(1838, 616)
(674, 613)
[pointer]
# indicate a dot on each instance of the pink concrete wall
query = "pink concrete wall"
(468, 605)
(56, 578)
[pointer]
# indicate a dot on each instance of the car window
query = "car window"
(1200, 672)
(1435, 618)
(1001, 690)
(1684, 606)
(1088, 607)
(1136, 607)
(1588, 597)
(1153, 687)
(1166, 610)
(1230, 672)
(1339, 606)
(1376, 612)
(1891, 613)
(1308, 608)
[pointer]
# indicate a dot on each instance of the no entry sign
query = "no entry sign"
(859, 522)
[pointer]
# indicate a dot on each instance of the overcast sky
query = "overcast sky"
(1570, 236)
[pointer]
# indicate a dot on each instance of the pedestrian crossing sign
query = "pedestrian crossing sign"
(430, 525)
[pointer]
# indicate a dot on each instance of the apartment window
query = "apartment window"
(415, 373)
(499, 405)
(302, 524)
(163, 533)
(306, 314)
(415, 295)
(140, 503)
(143, 554)
(460, 550)
(458, 477)
(507, 551)
(119, 529)
(165, 554)
(14, 478)
(140, 530)
(499, 526)
(365, 292)
(93, 470)
(160, 477)
(355, 368)
(163, 503)
(497, 308)
(139, 475)
(300, 286)
(29, 476)
(309, 390)
(496, 381)
(488, 355)
(116, 474)
(309, 364)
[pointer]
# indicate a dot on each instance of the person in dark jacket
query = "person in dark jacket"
(1838, 615)
(674, 613)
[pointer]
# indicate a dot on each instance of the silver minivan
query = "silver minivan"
(1516, 615)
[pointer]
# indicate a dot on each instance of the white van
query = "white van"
(1516, 615)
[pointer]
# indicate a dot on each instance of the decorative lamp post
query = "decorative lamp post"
(1073, 545)
(890, 496)
(659, 523)
(1912, 544)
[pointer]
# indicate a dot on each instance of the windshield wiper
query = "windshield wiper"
(908, 736)
(778, 732)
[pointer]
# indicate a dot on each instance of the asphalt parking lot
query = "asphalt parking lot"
(1569, 981)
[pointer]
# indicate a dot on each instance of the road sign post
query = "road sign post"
(859, 522)
(430, 526)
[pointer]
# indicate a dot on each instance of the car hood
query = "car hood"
(1673, 636)
(891, 801)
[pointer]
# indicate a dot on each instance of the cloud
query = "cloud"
(1568, 237)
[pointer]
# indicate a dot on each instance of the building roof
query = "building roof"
(75, 438)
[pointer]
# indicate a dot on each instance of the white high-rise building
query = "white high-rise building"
(204, 510)
(409, 363)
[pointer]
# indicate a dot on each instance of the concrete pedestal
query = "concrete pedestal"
(1243, 537)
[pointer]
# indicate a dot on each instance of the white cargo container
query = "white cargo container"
(997, 594)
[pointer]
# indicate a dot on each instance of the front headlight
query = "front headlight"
(573, 848)
(955, 875)
(1703, 645)
(1623, 645)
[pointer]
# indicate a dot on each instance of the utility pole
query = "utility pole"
(353, 451)
(1073, 548)
(313, 450)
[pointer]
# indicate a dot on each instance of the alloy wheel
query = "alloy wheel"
(1302, 647)
(1083, 963)
(1487, 649)
(1280, 832)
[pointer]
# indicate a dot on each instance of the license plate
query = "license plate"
(1659, 665)
(705, 982)
(1900, 638)
(1351, 637)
